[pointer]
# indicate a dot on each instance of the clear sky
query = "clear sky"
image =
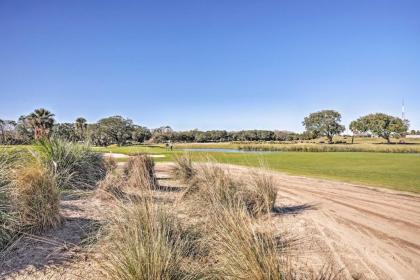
(215, 64)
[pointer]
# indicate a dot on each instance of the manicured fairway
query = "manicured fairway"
(390, 170)
(135, 149)
(395, 171)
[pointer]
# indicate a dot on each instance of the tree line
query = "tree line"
(121, 131)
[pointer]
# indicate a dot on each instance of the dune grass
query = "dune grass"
(183, 169)
(29, 202)
(212, 187)
(7, 220)
(31, 180)
(76, 166)
(111, 186)
(240, 251)
(140, 172)
(35, 198)
(144, 242)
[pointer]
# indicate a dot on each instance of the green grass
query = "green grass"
(360, 145)
(394, 171)
(135, 149)
(390, 170)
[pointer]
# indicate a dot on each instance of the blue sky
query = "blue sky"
(210, 64)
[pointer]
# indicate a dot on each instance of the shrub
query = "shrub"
(183, 169)
(35, 198)
(75, 165)
(144, 242)
(141, 173)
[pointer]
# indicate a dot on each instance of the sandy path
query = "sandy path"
(366, 231)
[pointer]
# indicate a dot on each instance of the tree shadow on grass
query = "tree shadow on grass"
(293, 209)
(52, 248)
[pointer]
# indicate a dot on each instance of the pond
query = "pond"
(221, 150)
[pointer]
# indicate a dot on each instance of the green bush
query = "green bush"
(76, 166)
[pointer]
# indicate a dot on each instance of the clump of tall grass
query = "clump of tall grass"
(110, 163)
(140, 172)
(240, 251)
(213, 186)
(183, 169)
(35, 198)
(8, 222)
(111, 186)
(8, 160)
(144, 242)
(259, 193)
(76, 166)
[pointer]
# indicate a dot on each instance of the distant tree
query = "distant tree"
(65, 131)
(112, 130)
(281, 135)
(7, 131)
(24, 131)
(188, 136)
(162, 130)
(324, 123)
(140, 134)
(41, 121)
(162, 134)
(381, 125)
(80, 125)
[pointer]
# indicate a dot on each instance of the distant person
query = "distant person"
(171, 146)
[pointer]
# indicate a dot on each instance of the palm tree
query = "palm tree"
(41, 121)
(81, 126)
